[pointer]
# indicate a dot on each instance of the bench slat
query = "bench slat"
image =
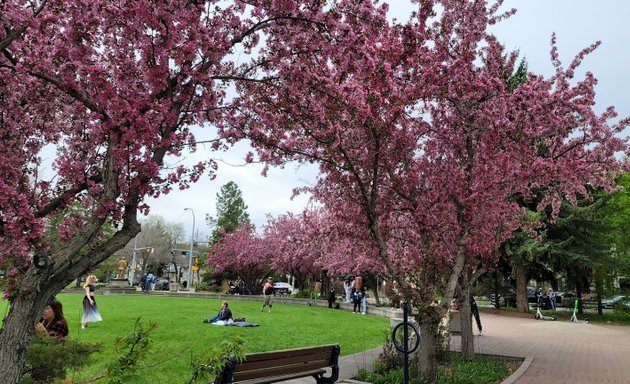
(288, 353)
(277, 371)
(247, 365)
(275, 379)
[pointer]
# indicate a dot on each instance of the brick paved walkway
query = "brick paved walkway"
(560, 352)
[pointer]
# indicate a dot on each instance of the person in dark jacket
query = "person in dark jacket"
(224, 314)
(474, 311)
(357, 297)
(331, 297)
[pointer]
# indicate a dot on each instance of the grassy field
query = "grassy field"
(181, 333)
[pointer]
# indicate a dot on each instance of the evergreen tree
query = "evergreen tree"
(231, 211)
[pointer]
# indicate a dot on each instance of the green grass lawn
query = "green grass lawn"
(181, 333)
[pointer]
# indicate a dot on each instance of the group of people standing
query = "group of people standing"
(356, 294)
(541, 298)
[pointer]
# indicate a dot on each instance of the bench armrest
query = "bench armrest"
(334, 365)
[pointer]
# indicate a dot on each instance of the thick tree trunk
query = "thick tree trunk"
(373, 282)
(33, 294)
(425, 358)
(35, 288)
(521, 287)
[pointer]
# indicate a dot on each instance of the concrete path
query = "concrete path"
(560, 352)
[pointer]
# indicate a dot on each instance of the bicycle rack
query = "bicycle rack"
(404, 348)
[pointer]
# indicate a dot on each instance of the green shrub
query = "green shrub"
(49, 359)
(131, 351)
(481, 370)
(211, 365)
(390, 359)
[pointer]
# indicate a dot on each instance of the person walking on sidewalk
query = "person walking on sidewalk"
(474, 311)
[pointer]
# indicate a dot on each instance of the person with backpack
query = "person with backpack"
(267, 293)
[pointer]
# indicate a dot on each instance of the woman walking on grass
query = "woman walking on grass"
(90, 310)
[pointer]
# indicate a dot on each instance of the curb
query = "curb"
(520, 371)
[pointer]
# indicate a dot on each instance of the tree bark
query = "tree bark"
(373, 282)
(17, 333)
(465, 317)
(521, 287)
(425, 358)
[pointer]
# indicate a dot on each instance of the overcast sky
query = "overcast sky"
(577, 24)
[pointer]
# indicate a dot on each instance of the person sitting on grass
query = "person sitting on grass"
(52, 322)
(224, 315)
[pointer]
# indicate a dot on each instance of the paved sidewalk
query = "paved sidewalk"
(348, 366)
(562, 352)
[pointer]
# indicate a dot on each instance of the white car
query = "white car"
(282, 288)
(609, 303)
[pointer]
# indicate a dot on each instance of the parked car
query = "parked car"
(619, 300)
(162, 285)
(531, 295)
(505, 300)
(565, 299)
(282, 288)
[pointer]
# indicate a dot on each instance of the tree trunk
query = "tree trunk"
(373, 282)
(521, 287)
(578, 292)
(35, 287)
(33, 294)
(465, 317)
(599, 291)
(425, 358)
(497, 302)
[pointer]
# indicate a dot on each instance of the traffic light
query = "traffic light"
(185, 253)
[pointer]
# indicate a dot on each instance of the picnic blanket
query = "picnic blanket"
(235, 323)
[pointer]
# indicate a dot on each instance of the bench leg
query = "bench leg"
(227, 376)
(334, 364)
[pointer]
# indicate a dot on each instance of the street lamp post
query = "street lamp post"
(192, 243)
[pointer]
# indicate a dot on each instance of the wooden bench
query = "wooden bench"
(274, 366)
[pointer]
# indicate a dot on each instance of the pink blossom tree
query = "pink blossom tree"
(96, 97)
(315, 241)
(296, 251)
(247, 254)
(420, 140)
